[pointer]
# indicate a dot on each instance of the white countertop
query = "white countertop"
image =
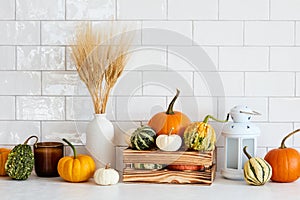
(55, 188)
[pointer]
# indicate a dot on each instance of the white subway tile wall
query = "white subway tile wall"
(244, 10)
(219, 53)
(90, 9)
(218, 33)
(40, 10)
(40, 58)
(7, 57)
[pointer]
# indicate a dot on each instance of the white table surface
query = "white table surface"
(55, 188)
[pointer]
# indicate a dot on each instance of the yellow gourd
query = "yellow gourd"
(200, 136)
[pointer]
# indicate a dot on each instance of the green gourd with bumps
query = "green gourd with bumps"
(20, 161)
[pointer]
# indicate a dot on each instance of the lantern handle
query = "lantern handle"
(250, 113)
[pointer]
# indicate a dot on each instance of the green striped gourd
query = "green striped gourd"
(257, 171)
(143, 138)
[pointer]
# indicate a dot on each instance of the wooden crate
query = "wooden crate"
(208, 159)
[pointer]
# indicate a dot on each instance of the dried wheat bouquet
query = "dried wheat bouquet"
(100, 56)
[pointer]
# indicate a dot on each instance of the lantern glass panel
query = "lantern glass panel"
(232, 153)
(250, 149)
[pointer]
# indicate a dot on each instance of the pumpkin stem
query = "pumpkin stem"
(282, 146)
(107, 166)
(170, 108)
(72, 146)
(215, 119)
(246, 153)
(171, 130)
(33, 136)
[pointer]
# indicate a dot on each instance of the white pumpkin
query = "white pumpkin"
(106, 176)
(169, 142)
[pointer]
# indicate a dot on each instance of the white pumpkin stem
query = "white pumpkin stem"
(171, 130)
(107, 166)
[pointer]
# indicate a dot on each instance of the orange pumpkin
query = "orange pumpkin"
(163, 122)
(285, 162)
(77, 168)
(3, 158)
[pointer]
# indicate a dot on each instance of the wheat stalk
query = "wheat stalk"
(99, 61)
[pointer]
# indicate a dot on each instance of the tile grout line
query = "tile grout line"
(269, 59)
(244, 77)
(153, 20)
(218, 10)
(167, 10)
(16, 113)
(41, 131)
(116, 10)
(295, 84)
(244, 33)
(269, 10)
(268, 111)
(295, 33)
(15, 10)
(65, 9)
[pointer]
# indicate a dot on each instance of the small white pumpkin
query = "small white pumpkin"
(169, 142)
(106, 176)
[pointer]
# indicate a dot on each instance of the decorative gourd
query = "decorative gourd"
(285, 162)
(143, 138)
(20, 161)
(169, 142)
(77, 168)
(257, 171)
(162, 122)
(3, 158)
(200, 136)
(106, 176)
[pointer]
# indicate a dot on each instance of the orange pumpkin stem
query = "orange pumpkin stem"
(171, 105)
(215, 119)
(246, 153)
(72, 146)
(282, 146)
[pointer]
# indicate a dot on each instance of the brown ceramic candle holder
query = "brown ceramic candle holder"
(46, 157)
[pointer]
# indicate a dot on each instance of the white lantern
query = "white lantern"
(239, 133)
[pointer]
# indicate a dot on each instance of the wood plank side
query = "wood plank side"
(167, 176)
(176, 158)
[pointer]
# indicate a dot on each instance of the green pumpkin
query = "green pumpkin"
(143, 138)
(20, 161)
(257, 171)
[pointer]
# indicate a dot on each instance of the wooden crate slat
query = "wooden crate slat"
(176, 158)
(207, 159)
(168, 176)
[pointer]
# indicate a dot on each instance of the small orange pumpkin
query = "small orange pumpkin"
(163, 122)
(77, 168)
(285, 162)
(3, 158)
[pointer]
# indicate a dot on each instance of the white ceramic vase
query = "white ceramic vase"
(100, 140)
